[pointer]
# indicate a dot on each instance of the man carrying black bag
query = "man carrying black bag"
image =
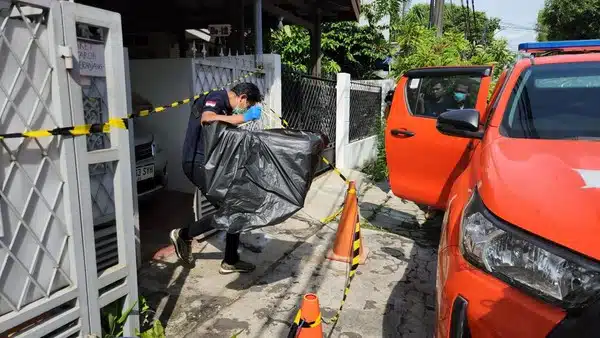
(235, 106)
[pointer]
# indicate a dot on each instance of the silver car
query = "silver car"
(150, 160)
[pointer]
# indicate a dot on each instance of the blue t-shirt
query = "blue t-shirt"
(193, 146)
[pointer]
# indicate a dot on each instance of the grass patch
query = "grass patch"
(377, 169)
(367, 225)
(366, 221)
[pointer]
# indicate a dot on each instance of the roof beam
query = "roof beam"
(288, 16)
(356, 7)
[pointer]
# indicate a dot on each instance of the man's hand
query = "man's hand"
(253, 113)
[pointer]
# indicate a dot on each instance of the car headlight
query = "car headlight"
(539, 267)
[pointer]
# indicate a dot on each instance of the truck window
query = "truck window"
(555, 101)
(431, 96)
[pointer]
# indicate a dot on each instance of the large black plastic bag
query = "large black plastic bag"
(258, 178)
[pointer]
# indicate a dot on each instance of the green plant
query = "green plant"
(569, 20)
(237, 334)
(418, 46)
(156, 331)
(481, 30)
(113, 320)
(346, 47)
(377, 169)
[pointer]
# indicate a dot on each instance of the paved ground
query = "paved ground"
(392, 295)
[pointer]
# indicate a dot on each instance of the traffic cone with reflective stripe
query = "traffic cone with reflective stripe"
(307, 323)
(343, 250)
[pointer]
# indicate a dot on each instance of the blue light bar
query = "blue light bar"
(549, 45)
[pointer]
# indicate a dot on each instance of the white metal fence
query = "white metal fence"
(56, 190)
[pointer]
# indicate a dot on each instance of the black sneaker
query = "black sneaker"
(240, 266)
(183, 249)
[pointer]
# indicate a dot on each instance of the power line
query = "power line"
(529, 24)
(468, 29)
(517, 26)
(474, 16)
(509, 26)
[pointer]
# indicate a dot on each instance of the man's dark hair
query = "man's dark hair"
(248, 89)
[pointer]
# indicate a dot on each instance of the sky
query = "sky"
(522, 13)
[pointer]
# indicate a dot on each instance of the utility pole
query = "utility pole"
(431, 13)
(439, 16)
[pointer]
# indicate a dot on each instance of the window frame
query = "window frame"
(493, 106)
(439, 75)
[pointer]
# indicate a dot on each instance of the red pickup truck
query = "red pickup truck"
(519, 179)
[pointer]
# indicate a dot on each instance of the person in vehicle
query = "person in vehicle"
(434, 102)
(461, 95)
(235, 106)
(440, 101)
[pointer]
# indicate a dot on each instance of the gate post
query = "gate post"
(272, 90)
(342, 124)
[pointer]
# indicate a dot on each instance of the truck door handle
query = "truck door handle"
(402, 132)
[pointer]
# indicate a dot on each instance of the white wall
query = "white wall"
(360, 153)
(354, 155)
(163, 81)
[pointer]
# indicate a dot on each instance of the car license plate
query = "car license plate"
(144, 173)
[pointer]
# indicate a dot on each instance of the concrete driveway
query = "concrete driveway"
(391, 296)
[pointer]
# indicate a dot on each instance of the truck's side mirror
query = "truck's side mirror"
(460, 123)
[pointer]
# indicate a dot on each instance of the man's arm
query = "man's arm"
(252, 114)
(231, 119)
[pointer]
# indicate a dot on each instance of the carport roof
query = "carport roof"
(176, 15)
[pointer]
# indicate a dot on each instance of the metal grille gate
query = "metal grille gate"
(49, 285)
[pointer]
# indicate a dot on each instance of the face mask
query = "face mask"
(239, 110)
(460, 97)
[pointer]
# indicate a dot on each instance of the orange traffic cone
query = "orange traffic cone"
(307, 323)
(344, 239)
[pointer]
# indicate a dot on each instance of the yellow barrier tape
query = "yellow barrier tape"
(37, 133)
(81, 130)
(298, 323)
(353, 268)
(333, 216)
(121, 123)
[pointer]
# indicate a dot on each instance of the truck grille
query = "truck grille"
(143, 151)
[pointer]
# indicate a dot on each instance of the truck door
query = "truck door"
(422, 162)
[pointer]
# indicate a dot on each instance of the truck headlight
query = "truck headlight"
(537, 266)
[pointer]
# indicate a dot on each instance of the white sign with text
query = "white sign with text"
(91, 59)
